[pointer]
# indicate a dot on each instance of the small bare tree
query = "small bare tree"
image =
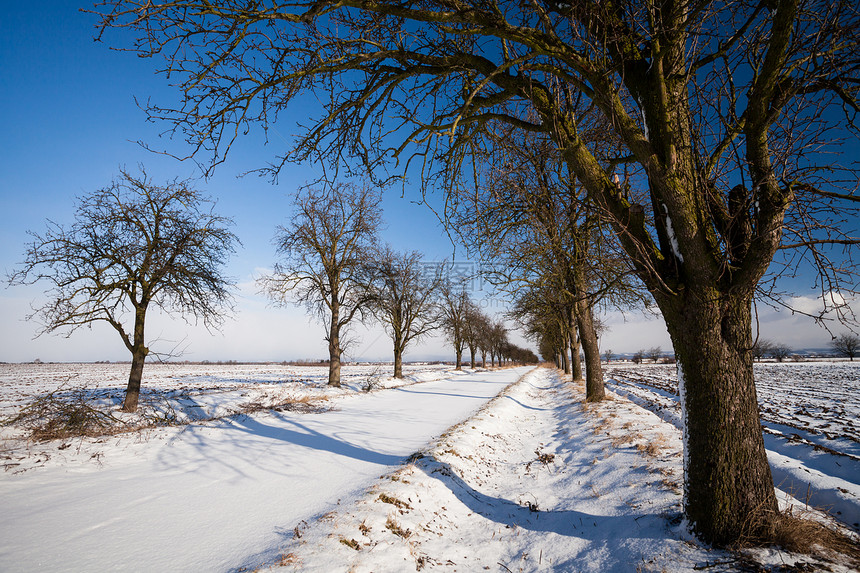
(473, 330)
(761, 348)
(403, 298)
(655, 353)
(846, 344)
(780, 351)
(454, 307)
(132, 244)
(497, 337)
(483, 327)
(325, 250)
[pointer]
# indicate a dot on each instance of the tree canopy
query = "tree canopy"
(132, 244)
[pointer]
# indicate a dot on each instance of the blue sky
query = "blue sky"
(70, 120)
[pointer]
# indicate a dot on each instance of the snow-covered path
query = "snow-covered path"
(222, 496)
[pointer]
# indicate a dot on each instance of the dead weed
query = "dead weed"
(385, 498)
(394, 527)
(801, 535)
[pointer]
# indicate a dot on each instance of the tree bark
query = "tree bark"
(472, 353)
(398, 358)
(576, 366)
(729, 488)
(565, 362)
(138, 357)
(457, 360)
(334, 346)
(594, 391)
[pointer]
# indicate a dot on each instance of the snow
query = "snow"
(685, 448)
(673, 240)
(536, 481)
(217, 495)
(505, 470)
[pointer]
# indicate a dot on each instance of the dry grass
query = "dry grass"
(806, 536)
(625, 439)
(287, 559)
(800, 535)
(351, 543)
(69, 413)
(653, 447)
(385, 498)
(302, 404)
(394, 527)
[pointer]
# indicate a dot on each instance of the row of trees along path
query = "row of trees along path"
(135, 243)
(729, 121)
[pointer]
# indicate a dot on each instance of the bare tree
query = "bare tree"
(473, 330)
(780, 351)
(498, 336)
(325, 250)
(529, 221)
(455, 304)
(403, 298)
(727, 116)
(607, 355)
(484, 332)
(133, 244)
(655, 353)
(846, 344)
(761, 348)
(544, 321)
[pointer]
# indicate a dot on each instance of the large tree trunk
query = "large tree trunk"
(472, 353)
(138, 357)
(458, 350)
(594, 391)
(334, 346)
(729, 488)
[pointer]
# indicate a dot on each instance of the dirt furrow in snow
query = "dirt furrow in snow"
(536, 481)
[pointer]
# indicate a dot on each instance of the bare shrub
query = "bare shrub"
(302, 404)
(64, 413)
(372, 382)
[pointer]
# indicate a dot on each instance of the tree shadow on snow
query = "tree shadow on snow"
(570, 523)
(240, 443)
(306, 437)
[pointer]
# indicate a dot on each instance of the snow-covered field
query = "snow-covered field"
(475, 471)
(180, 393)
